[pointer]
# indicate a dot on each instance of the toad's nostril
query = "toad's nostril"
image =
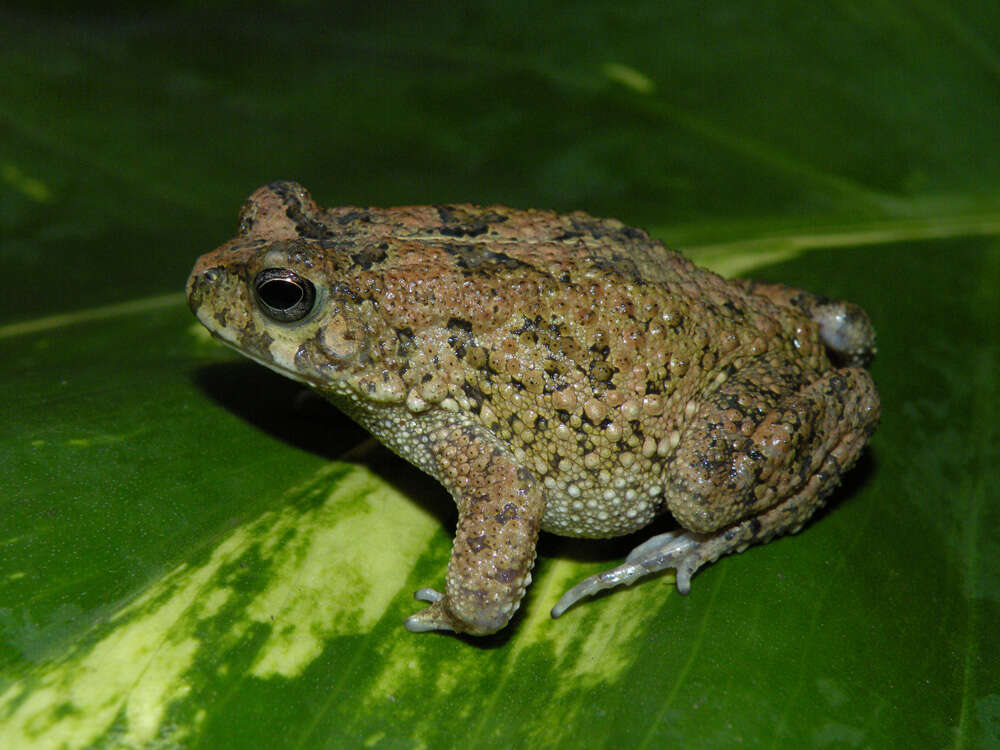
(202, 283)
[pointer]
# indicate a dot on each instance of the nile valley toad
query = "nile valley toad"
(555, 372)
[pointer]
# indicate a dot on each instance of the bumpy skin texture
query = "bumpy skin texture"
(554, 372)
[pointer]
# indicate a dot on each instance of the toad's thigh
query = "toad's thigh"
(747, 450)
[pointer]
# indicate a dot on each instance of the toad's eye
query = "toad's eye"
(283, 295)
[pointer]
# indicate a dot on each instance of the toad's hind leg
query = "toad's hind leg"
(771, 486)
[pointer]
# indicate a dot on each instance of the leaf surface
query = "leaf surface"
(192, 554)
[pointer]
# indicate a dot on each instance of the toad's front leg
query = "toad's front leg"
(500, 508)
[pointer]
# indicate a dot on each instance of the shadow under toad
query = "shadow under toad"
(297, 416)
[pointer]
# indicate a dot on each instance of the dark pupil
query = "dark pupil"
(280, 294)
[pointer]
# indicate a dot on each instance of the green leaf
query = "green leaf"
(195, 554)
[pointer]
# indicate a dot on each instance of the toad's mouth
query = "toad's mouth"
(270, 364)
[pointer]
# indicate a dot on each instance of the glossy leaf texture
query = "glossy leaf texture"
(195, 554)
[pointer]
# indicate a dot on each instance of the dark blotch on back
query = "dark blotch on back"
(370, 256)
(475, 257)
(467, 221)
(618, 264)
(358, 216)
(602, 229)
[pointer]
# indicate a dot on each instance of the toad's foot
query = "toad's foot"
(683, 550)
(431, 618)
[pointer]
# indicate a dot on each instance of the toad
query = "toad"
(554, 372)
